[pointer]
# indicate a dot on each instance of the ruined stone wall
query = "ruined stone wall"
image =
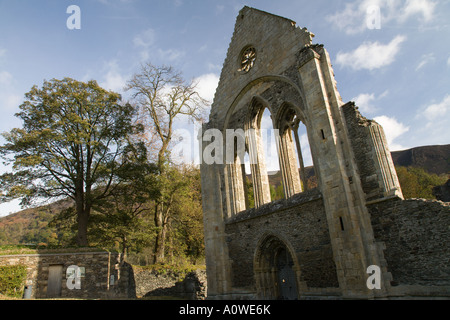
(374, 161)
(415, 234)
(301, 223)
(149, 283)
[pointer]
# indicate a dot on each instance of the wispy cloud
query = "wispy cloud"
(354, 16)
(9, 99)
(434, 121)
(113, 79)
(393, 130)
(371, 55)
(424, 60)
(365, 102)
(437, 111)
(2, 53)
(171, 54)
(145, 39)
(424, 9)
(5, 78)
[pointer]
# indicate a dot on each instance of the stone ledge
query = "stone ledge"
(55, 254)
(301, 198)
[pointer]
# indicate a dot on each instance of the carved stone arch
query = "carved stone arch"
(275, 280)
(255, 112)
(258, 81)
(287, 112)
(287, 118)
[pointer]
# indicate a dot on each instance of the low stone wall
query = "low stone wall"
(102, 277)
(149, 283)
(416, 237)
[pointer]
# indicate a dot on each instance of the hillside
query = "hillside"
(30, 225)
(434, 159)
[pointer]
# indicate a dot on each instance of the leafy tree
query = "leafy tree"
(122, 216)
(418, 183)
(186, 237)
(163, 96)
(277, 192)
(72, 143)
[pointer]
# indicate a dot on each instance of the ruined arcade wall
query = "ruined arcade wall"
(301, 222)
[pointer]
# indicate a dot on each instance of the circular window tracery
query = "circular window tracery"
(248, 58)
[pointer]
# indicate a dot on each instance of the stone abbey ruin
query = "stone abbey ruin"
(316, 243)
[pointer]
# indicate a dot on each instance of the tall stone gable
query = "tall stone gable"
(316, 242)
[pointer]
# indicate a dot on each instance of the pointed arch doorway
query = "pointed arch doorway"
(276, 270)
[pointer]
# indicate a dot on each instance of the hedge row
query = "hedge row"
(12, 280)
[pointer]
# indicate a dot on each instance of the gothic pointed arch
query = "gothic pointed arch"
(276, 269)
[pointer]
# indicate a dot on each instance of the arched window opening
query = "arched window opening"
(303, 155)
(295, 154)
(248, 183)
(257, 125)
(268, 137)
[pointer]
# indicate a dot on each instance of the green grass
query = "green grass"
(25, 249)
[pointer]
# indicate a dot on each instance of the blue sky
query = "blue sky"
(398, 72)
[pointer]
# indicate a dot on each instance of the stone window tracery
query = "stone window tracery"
(247, 60)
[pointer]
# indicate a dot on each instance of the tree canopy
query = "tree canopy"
(73, 143)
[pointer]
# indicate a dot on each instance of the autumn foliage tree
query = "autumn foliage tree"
(73, 143)
(162, 97)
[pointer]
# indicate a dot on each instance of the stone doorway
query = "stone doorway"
(276, 271)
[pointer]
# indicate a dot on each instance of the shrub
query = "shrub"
(12, 280)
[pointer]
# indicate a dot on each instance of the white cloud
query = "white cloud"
(448, 62)
(207, 85)
(5, 78)
(171, 54)
(434, 123)
(364, 102)
(438, 111)
(371, 55)
(113, 80)
(354, 17)
(145, 39)
(393, 129)
(423, 8)
(424, 60)
(9, 100)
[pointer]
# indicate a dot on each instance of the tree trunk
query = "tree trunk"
(124, 249)
(83, 213)
(160, 236)
(83, 218)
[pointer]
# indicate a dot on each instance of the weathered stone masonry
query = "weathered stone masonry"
(104, 276)
(314, 243)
